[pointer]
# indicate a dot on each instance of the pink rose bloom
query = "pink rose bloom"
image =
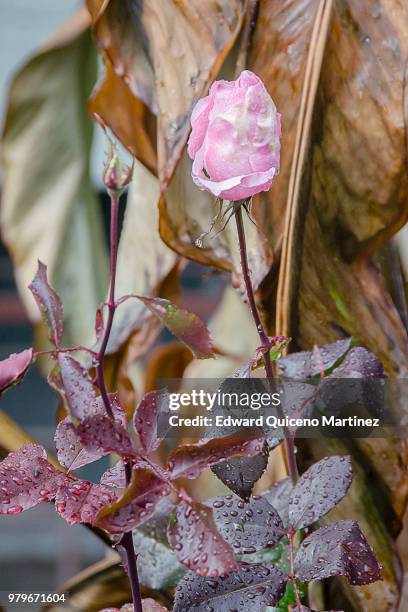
(235, 139)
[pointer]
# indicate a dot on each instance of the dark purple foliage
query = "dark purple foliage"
(27, 479)
(278, 496)
(338, 549)
(190, 460)
(49, 303)
(359, 363)
(197, 543)
(305, 364)
(247, 526)
(319, 489)
(137, 503)
(100, 434)
(250, 588)
(153, 409)
(13, 369)
(240, 474)
(185, 325)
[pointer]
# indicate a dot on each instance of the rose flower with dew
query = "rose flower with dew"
(235, 139)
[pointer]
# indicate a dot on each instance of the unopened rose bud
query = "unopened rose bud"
(116, 175)
(235, 139)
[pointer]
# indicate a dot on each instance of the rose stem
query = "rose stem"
(292, 568)
(288, 440)
(127, 539)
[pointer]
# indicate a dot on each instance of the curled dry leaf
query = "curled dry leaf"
(197, 543)
(13, 369)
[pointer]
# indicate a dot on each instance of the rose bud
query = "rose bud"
(116, 175)
(235, 139)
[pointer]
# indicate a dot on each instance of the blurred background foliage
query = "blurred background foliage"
(329, 257)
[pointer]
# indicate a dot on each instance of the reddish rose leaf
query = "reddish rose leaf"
(137, 503)
(305, 364)
(197, 543)
(359, 363)
(252, 587)
(190, 460)
(247, 526)
(49, 303)
(339, 549)
(26, 479)
(13, 369)
(70, 450)
(150, 417)
(80, 501)
(100, 434)
(117, 409)
(278, 496)
(77, 387)
(115, 476)
(185, 325)
(319, 489)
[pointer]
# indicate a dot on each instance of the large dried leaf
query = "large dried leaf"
(346, 195)
(48, 208)
(167, 56)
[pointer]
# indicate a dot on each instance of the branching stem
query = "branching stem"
(127, 540)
